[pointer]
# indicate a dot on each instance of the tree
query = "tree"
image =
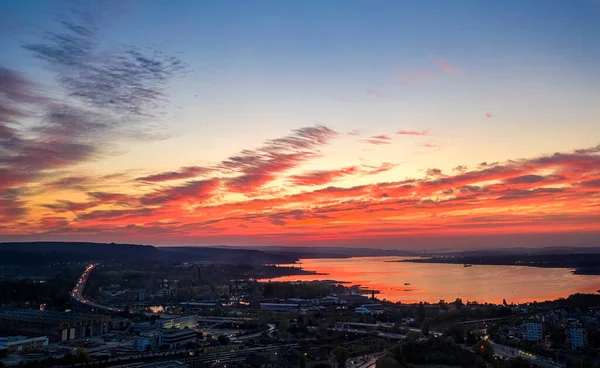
(82, 355)
(68, 359)
(340, 355)
(387, 361)
(480, 363)
(223, 339)
(421, 314)
(518, 363)
(398, 354)
(189, 345)
(425, 328)
(303, 361)
(459, 303)
(457, 332)
(485, 350)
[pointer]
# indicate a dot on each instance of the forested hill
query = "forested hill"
(39, 253)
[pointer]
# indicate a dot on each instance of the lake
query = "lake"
(434, 281)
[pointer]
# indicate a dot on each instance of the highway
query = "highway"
(77, 293)
(510, 352)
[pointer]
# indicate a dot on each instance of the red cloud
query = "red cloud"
(485, 200)
(194, 191)
(323, 176)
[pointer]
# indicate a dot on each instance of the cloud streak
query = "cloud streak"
(413, 132)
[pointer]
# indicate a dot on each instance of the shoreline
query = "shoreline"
(584, 271)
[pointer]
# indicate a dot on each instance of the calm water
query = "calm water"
(432, 282)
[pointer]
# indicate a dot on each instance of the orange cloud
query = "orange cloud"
(540, 195)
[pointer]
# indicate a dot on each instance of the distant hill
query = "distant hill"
(328, 252)
(40, 253)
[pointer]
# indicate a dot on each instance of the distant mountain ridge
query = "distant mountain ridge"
(34, 253)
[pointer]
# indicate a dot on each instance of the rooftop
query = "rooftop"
(33, 315)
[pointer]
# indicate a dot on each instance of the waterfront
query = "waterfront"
(432, 282)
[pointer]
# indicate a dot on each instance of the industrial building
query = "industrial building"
(280, 307)
(22, 343)
(58, 326)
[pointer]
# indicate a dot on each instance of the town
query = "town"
(195, 314)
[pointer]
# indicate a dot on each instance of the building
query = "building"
(136, 295)
(221, 290)
(197, 306)
(577, 336)
(531, 331)
(174, 338)
(328, 300)
(119, 323)
(142, 326)
(280, 307)
(353, 299)
(146, 340)
(164, 364)
(23, 343)
(302, 302)
(179, 322)
(58, 326)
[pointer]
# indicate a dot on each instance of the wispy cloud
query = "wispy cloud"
(413, 132)
(415, 76)
(322, 176)
(446, 66)
(372, 92)
(183, 173)
(378, 139)
(98, 98)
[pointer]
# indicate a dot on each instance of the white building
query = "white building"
(577, 335)
(532, 331)
(179, 323)
(174, 338)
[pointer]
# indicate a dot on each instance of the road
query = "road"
(510, 352)
(257, 334)
(77, 293)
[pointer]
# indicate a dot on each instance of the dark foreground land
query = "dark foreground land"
(581, 263)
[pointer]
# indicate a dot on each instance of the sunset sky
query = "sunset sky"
(396, 124)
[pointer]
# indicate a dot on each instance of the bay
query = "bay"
(414, 282)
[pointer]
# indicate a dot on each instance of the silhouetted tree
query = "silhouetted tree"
(425, 328)
(223, 339)
(340, 355)
(421, 314)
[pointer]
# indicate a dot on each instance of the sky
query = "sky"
(464, 124)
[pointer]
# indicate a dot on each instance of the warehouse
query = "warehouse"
(58, 326)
